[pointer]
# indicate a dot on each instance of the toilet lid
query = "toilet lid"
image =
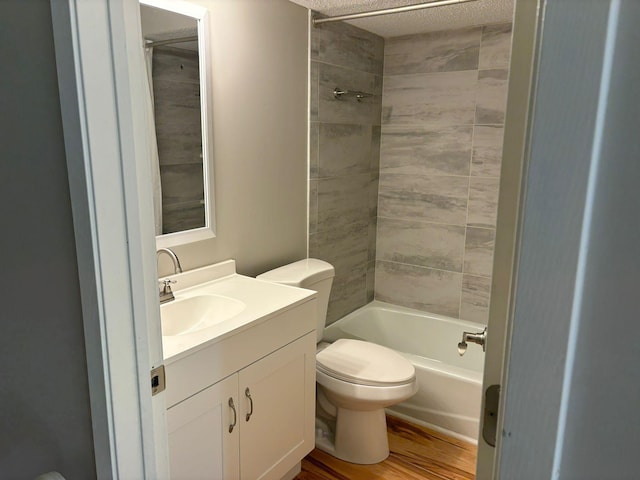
(364, 363)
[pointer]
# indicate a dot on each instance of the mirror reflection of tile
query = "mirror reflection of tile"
(175, 72)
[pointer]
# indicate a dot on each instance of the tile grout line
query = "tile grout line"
(473, 131)
(430, 268)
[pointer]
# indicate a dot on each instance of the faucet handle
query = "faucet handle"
(166, 284)
(166, 295)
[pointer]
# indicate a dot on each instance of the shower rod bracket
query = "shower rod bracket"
(339, 93)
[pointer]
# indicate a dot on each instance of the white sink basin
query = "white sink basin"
(214, 303)
(192, 314)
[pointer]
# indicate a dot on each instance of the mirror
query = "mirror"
(176, 38)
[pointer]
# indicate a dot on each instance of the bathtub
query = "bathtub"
(449, 386)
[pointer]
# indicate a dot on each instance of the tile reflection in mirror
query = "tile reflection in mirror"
(177, 82)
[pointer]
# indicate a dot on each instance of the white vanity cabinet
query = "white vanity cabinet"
(201, 444)
(261, 382)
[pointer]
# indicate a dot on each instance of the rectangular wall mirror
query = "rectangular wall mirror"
(176, 38)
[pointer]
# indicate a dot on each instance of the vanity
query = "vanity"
(240, 375)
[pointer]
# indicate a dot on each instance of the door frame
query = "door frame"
(519, 116)
(100, 74)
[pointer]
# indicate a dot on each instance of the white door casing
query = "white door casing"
(100, 75)
(518, 121)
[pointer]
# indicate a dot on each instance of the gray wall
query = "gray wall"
(344, 155)
(260, 122)
(442, 127)
(45, 421)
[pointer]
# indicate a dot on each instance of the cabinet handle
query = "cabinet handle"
(235, 415)
(247, 394)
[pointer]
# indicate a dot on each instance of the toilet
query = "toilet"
(355, 380)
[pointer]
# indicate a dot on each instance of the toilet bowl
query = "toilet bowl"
(356, 380)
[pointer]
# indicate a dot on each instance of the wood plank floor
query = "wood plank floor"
(417, 453)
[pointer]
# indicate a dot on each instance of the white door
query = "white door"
(204, 433)
(277, 394)
(558, 229)
(100, 75)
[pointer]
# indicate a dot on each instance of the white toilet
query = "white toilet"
(356, 380)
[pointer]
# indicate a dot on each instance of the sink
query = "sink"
(214, 304)
(192, 314)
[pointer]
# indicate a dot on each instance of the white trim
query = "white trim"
(100, 83)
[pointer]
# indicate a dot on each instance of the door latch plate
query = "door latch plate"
(158, 382)
(490, 419)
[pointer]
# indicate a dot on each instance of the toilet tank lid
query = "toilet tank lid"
(309, 271)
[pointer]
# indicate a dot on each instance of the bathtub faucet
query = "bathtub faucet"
(480, 338)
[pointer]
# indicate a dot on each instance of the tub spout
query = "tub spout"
(480, 338)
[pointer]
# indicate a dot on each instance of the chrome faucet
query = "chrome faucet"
(177, 268)
(480, 338)
(166, 294)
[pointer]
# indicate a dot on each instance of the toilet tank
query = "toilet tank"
(309, 273)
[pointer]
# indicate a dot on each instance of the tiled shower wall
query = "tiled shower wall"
(344, 157)
(442, 127)
(176, 87)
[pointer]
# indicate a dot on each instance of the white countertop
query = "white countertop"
(263, 301)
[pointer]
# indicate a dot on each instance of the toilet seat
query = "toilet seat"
(364, 363)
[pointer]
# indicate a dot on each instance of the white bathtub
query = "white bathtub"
(449, 386)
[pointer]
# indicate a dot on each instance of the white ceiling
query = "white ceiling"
(478, 12)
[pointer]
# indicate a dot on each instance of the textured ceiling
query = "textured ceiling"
(478, 12)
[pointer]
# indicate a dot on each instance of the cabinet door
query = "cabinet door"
(280, 430)
(200, 444)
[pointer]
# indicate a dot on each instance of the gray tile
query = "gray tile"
(492, 96)
(478, 251)
(476, 295)
(373, 238)
(345, 248)
(436, 99)
(343, 201)
(483, 202)
(373, 195)
(426, 151)
(434, 291)
(177, 122)
(314, 135)
(445, 51)
(347, 293)
(348, 46)
(182, 183)
(345, 149)
(314, 90)
(347, 109)
(182, 217)
(376, 133)
(176, 64)
(371, 281)
(495, 48)
(486, 158)
(432, 199)
(313, 206)
(418, 243)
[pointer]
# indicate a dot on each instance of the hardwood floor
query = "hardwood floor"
(417, 453)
